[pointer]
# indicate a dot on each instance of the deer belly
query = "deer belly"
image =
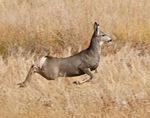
(71, 73)
(76, 73)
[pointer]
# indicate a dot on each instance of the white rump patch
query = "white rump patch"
(41, 62)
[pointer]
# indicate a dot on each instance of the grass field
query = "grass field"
(54, 25)
(31, 28)
(120, 89)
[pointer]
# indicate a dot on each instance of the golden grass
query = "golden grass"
(55, 25)
(120, 89)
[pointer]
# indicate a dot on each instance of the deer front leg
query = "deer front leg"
(33, 69)
(86, 71)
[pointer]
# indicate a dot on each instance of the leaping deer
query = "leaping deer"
(81, 63)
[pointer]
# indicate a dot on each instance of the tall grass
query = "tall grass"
(120, 89)
(54, 25)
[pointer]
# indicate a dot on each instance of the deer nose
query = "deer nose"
(110, 40)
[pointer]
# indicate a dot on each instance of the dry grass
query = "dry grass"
(121, 89)
(54, 25)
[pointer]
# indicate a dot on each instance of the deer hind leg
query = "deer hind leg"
(33, 69)
(88, 72)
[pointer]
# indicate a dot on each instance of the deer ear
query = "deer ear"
(96, 28)
(95, 25)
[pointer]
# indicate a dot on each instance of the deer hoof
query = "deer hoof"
(22, 84)
(77, 82)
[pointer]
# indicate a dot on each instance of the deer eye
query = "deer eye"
(103, 35)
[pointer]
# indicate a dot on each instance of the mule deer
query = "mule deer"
(82, 63)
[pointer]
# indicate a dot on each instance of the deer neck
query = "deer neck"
(94, 46)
